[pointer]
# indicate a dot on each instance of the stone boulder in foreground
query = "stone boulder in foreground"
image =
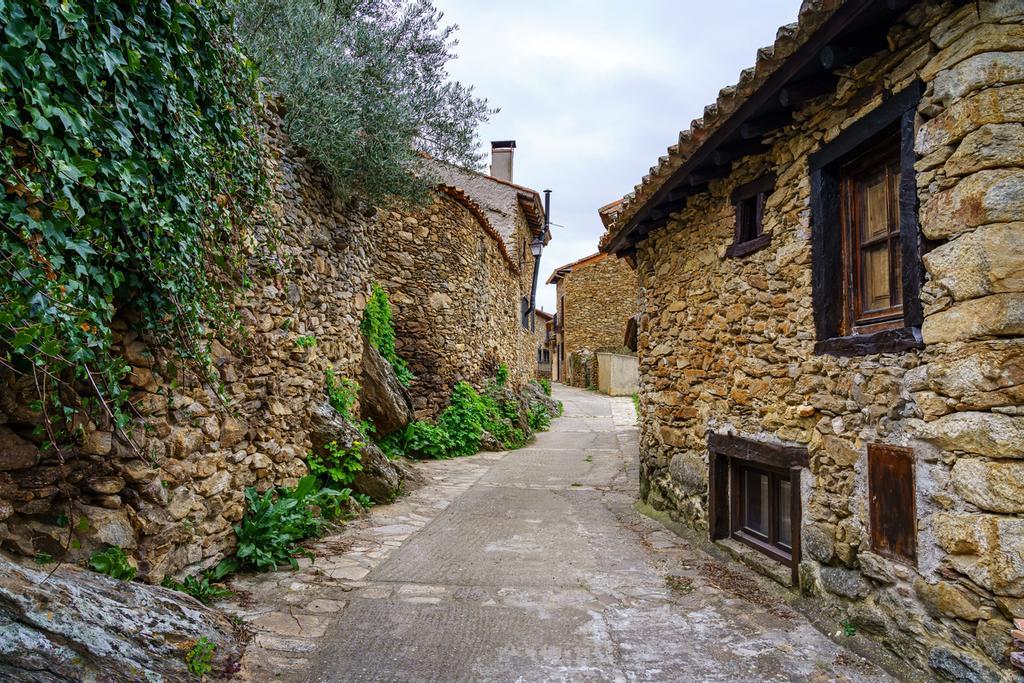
(78, 625)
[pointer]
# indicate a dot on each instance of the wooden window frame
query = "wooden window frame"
(728, 457)
(749, 197)
(831, 295)
(882, 154)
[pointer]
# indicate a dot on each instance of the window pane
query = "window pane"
(875, 277)
(785, 518)
(747, 216)
(755, 486)
(874, 210)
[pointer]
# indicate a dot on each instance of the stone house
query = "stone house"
(542, 333)
(831, 328)
(596, 297)
(461, 275)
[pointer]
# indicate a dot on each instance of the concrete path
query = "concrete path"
(539, 569)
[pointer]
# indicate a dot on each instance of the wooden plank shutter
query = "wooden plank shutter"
(891, 502)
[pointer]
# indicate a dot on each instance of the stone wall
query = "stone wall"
(172, 502)
(600, 295)
(170, 499)
(727, 345)
(454, 319)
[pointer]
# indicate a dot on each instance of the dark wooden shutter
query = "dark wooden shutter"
(891, 502)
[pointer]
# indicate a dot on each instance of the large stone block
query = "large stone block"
(995, 486)
(988, 549)
(980, 377)
(989, 434)
(993, 105)
(982, 38)
(997, 145)
(989, 260)
(992, 196)
(997, 315)
(689, 471)
(15, 452)
(974, 73)
(946, 599)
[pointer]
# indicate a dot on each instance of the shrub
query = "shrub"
(538, 417)
(113, 562)
(545, 385)
(463, 420)
(131, 158)
(426, 440)
(199, 587)
(342, 393)
(366, 88)
(501, 376)
(276, 521)
(338, 466)
(200, 657)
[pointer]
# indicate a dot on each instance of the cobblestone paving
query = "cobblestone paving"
(528, 566)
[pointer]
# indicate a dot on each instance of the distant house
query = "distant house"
(831, 324)
(542, 333)
(596, 297)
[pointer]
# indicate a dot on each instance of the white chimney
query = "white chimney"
(501, 159)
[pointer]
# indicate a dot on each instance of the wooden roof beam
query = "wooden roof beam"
(795, 94)
(755, 128)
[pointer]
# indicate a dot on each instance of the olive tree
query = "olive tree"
(365, 88)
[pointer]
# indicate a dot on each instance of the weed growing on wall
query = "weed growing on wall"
(113, 562)
(538, 417)
(130, 161)
(338, 466)
(379, 327)
(199, 658)
(342, 393)
(545, 385)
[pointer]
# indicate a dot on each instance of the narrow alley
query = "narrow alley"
(531, 565)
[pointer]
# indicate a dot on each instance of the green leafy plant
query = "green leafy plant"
(379, 327)
(338, 466)
(43, 558)
(545, 385)
(113, 562)
(306, 341)
(425, 440)
(364, 500)
(501, 376)
(276, 521)
(199, 658)
(130, 163)
(366, 88)
(849, 629)
(342, 393)
(539, 417)
(199, 587)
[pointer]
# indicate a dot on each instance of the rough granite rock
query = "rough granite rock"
(380, 479)
(80, 626)
(382, 399)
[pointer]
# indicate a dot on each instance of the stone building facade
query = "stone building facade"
(170, 494)
(542, 338)
(460, 276)
(596, 297)
(831, 331)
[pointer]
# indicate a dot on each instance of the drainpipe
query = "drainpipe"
(536, 247)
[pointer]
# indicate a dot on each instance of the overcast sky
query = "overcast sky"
(594, 91)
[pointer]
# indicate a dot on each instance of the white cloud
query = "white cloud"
(594, 92)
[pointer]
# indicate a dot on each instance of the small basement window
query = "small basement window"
(749, 200)
(754, 496)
